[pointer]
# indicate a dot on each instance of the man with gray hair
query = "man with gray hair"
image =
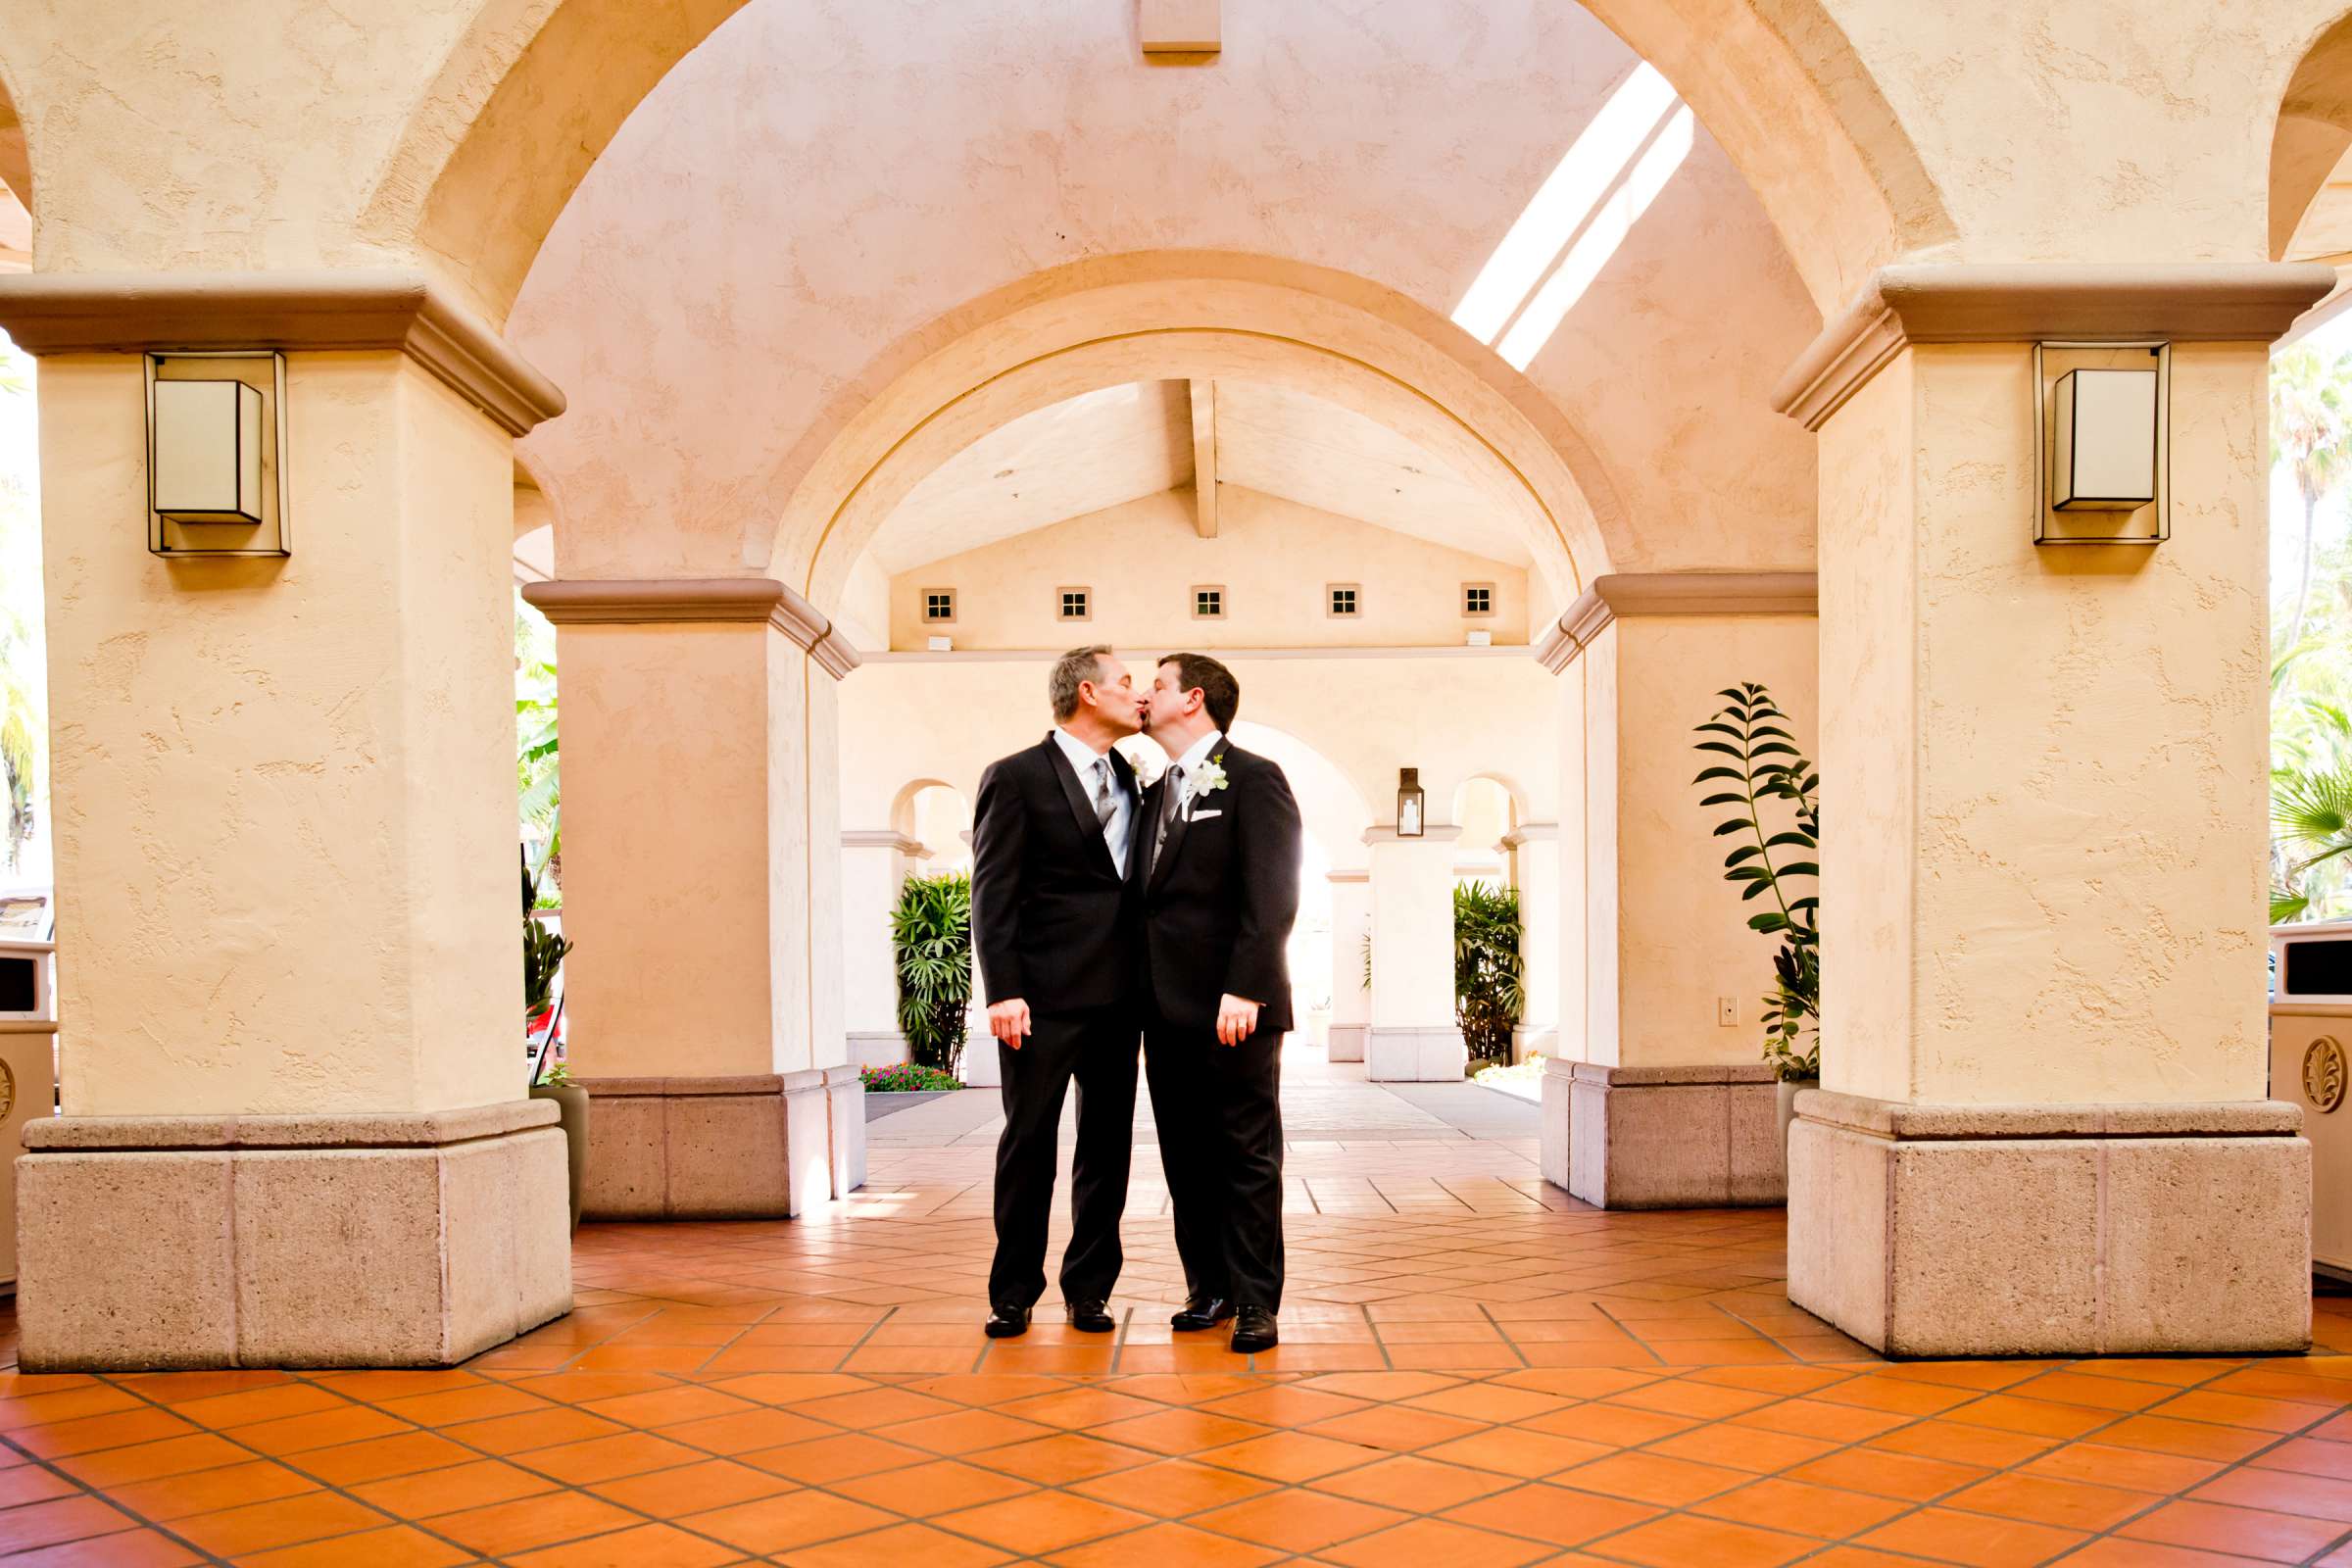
(1054, 925)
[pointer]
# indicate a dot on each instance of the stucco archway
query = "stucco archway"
(1095, 323)
(2313, 132)
(523, 104)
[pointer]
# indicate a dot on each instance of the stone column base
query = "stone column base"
(1551, 1132)
(1344, 1042)
(877, 1047)
(759, 1147)
(356, 1241)
(844, 1116)
(983, 1067)
(2065, 1230)
(1698, 1136)
(1414, 1055)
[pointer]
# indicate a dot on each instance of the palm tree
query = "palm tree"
(2311, 434)
(2312, 809)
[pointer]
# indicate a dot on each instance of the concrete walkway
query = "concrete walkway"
(1323, 1102)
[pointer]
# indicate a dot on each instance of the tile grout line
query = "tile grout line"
(386, 1519)
(83, 1489)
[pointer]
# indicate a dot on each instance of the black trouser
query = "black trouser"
(1097, 1047)
(1219, 1112)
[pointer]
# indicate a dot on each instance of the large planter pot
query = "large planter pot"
(1789, 1089)
(571, 1114)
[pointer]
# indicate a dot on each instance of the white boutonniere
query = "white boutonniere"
(1206, 779)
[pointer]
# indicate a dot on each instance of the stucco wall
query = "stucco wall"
(1454, 715)
(667, 887)
(2084, 731)
(1682, 939)
(287, 789)
(1273, 558)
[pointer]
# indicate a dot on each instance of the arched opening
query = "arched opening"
(2308, 145)
(1199, 320)
(1486, 810)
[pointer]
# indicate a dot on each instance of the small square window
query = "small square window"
(939, 606)
(1478, 599)
(1208, 602)
(1075, 603)
(1345, 600)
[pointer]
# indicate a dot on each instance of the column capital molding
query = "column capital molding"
(320, 310)
(1349, 875)
(1433, 833)
(1531, 833)
(1673, 593)
(2253, 302)
(651, 601)
(884, 839)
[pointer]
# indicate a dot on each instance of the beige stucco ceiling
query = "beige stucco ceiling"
(1302, 448)
(1096, 451)
(801, 213)
(1122, 443)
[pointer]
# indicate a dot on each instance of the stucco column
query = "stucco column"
(874, 864)
(2043, 1126)
(295, 1129)
(1654, 1101)
(1413, 1036)
(1350, 929)
(1536, 871)
(699, 834)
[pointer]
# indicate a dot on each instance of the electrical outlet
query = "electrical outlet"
(1727, 1012)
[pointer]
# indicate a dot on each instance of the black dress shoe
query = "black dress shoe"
(1006, 1322)
(1202, 1312)
(1090, 1316)
(1253, 1331)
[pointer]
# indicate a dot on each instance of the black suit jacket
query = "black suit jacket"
(1220, 899)
(1053, 919)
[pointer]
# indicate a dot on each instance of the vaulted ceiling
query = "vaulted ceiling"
(1121, 442)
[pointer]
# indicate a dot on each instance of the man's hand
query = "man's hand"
(1008, 1020)
(1237, 1019)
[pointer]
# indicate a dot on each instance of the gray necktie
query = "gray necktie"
(1104, 806)
(1171, 787)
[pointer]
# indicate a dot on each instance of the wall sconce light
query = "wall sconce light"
(216, 450)
(1411, 798)
(2102, 449)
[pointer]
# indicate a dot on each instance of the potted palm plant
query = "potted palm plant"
(931, 930)
(1766, 766)
(1488, 994)
(543, 952)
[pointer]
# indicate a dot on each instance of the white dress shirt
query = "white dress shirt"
(1091, 768)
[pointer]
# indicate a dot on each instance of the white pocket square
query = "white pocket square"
(1203, 817)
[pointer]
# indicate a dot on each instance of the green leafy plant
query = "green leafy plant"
(2311, 810)
(932, 930)
(1766, 766)
(543, 952)
(539, 799)
(906, 1077)
(1487, 995)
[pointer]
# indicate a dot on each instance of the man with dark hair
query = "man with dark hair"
(1054, 835)
(1220, 892)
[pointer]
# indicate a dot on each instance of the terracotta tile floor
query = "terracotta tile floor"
(1477, 1370)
